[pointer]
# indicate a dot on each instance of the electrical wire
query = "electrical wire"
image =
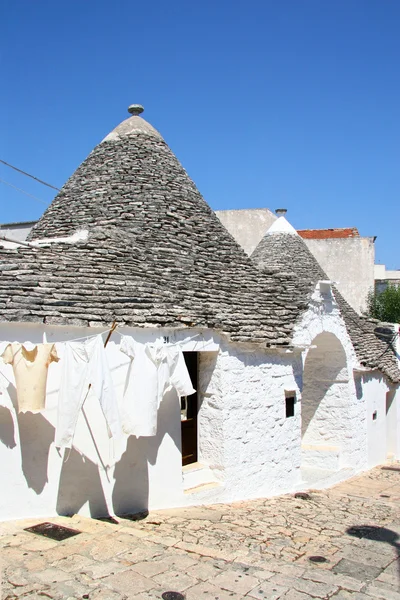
(23, 191)
(28, 175)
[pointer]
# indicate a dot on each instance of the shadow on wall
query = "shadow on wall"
(324, 363)
(36, 435)
(80, 480)
(80, 483)
(7, 429)
(131, 489)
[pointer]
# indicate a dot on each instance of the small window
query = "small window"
(374, 415)
(290, 402)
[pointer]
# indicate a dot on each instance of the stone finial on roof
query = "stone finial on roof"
(135, 109)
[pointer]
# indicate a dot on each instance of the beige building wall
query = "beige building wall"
(350, 263)
(247, 226)
(347, 261)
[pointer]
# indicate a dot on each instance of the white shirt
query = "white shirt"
(154, 369)
(30, 364)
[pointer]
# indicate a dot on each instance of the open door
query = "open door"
(189, 413)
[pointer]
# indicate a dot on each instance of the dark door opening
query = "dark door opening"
(189, 413)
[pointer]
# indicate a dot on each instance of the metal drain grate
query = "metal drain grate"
(302, 496)
(54, 532)
(318, 559)
(172, 596)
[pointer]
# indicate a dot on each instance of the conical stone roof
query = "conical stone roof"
(155, 255)
(283, 250)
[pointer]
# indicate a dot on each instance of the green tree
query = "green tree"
(385, 306)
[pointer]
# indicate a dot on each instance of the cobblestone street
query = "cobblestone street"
(260, 549)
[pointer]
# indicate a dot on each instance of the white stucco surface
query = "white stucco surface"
(247, 444)
(333, 414)
(87, 479)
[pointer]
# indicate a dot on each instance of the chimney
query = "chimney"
(280, 212)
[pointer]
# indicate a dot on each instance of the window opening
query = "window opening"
(290, 401)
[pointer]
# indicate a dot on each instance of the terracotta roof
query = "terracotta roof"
(286, 252)
(325, 234)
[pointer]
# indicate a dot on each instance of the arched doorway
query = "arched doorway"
(325, 404)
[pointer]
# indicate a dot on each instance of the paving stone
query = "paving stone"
(268, 591)
(269, 540)
(140, 553)
(295, 595)
(99, 570)
(53, 575)
(237, 582)
(374, 557)
(100, 594)
(356, 570)
(151, 567)
(314, 588)
(75, 562)
(385, 594)
(128, 582)
(342, 581)
(203, 570)
(207, 591)
(175, 580)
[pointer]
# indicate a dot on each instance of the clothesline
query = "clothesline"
(155, 368)
(87, 337)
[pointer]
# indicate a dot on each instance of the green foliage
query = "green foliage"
(385, 306)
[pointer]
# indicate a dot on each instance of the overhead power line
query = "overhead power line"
(28, 175)
(23, 191)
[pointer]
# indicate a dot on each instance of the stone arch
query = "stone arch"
(325, 403)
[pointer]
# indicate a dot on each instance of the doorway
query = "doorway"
(189, 410)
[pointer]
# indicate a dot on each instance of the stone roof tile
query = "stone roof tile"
(288, 252)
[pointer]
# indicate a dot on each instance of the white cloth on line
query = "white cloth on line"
(30, 364)
(5, 399)
(84, 364)
(154, 368)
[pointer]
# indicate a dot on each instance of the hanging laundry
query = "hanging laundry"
(30, 365)
(154, 369)
(5, 399)
(84, 364)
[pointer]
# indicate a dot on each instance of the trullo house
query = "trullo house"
(147, 362)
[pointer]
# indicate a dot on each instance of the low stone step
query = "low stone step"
(319, 479)
(318, 456)
(197, 474)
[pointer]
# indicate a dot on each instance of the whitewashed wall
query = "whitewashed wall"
(340, 418)
(41, 482)
(244, 436)
(243, 431)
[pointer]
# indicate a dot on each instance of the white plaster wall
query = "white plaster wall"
(350, 263)
(211, 415)
(340, 420)
(41, 482)
(257, 445)
(18, 231)
(374, 391)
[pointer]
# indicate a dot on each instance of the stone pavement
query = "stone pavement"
(260, 549)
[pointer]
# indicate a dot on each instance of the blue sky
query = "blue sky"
(266, 103)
